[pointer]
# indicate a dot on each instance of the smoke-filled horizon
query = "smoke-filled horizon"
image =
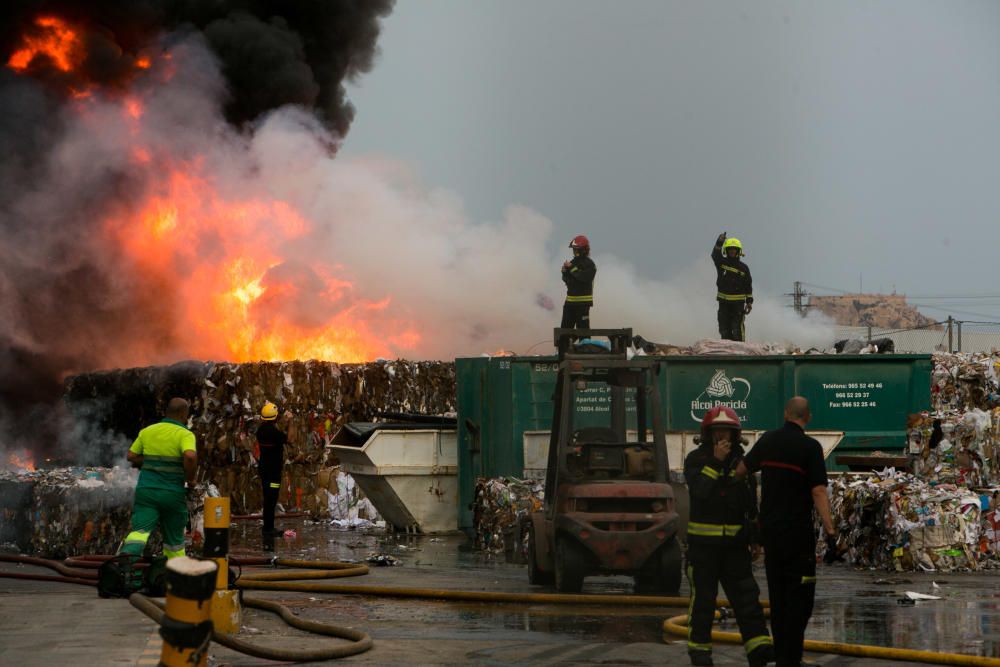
(145, 227)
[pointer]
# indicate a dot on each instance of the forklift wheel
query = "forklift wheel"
(571, 565)
(536, 576)
(670, 559)
(663, 572)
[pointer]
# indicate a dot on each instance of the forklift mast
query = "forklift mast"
(612, 367)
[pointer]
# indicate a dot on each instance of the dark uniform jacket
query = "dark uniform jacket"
(723, 508)
(272, 441)
(579, 279)
(733, 277)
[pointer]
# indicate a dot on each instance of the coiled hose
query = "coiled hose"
(360, 641)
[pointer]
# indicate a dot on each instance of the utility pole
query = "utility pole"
(797, 299)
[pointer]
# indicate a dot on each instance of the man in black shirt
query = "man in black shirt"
(793, 481)
(271, 443)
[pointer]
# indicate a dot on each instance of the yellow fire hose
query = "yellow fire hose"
(292, 581)
(678, 626)
(298, 581)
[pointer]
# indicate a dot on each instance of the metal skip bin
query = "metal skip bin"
(409, 474)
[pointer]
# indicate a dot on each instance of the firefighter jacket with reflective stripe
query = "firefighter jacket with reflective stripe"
(733, 277)
(723, 508)
(579, 279)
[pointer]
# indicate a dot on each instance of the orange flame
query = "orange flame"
(133, 107)
(221, 257)
(23, 462)
(55, 40)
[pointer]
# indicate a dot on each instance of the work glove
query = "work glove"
(832, 555)
(747, 307)
(189, 493)
(722, 239)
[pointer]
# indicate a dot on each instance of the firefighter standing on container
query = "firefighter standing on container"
(271, 443)
(722, 540)
(735, 288)
(793, 481)
(578, 274)
(167, 457)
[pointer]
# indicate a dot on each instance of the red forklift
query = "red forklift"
(608, 507)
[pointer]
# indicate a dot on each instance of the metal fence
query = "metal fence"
(948, 335)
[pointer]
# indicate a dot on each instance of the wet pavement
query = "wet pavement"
(852, 606)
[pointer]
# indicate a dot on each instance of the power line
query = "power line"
(952, 310)
(953, 296)
(908, 296)
(828, 289)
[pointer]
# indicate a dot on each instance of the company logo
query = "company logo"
(721, 390)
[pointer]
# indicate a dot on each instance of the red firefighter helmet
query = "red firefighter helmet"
(720, 417)
(580, 243)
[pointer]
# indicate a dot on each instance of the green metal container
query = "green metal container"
(866, 396)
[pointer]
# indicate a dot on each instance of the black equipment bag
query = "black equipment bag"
(119, 577)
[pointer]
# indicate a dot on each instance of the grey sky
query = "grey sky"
(834, 139)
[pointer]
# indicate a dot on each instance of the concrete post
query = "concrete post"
(227, 614)
(187, 625)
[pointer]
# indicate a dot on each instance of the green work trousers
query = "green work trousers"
(164, 507)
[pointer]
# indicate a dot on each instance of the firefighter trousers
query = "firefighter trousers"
(791, 586)
(731, 320)
(270, 489)
(166, 508)
(708, 566)
(575, 316)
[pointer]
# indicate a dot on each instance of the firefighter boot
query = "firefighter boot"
(761, 655)
(701, 658)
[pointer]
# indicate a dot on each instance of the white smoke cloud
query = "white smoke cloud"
(475, 287)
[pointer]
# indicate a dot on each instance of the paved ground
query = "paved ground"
(61, 624)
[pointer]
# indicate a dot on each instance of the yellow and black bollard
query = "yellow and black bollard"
(187, 626)
(226, 610)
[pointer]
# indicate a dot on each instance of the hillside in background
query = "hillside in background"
(889, 311)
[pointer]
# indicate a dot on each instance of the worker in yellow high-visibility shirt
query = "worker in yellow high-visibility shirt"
(166, 455)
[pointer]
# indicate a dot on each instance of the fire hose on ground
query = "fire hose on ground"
(678, 626)
(309, 579)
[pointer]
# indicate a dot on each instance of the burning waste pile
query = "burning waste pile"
(945, 513)
(170, 198)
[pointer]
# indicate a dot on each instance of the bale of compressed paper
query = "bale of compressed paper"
(965, 380)
(893, 520)
(71, 511)
(499, 505)
(226, 399)
(956, 447)
(15, 511)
